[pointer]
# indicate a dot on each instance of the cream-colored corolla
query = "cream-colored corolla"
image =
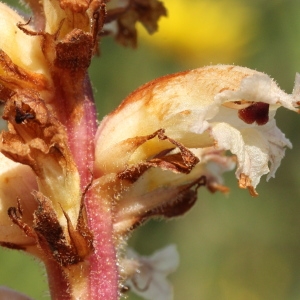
(216, 107)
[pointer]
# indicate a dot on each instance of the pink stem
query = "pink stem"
(103, 262)
(82, 135)
(103, 270)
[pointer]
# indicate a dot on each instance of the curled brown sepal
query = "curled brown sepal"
(181, 162)
(66, 250)
(16, 216)
(147, 12)
(165, 185)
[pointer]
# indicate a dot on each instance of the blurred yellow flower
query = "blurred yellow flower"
(206, 31)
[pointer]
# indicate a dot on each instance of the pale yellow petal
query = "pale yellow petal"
(24, 50)
(16, 182)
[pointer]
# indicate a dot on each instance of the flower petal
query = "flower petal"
(24, 50)
(16, 182)
(150, 281)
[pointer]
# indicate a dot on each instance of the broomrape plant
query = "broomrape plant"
(72, 191)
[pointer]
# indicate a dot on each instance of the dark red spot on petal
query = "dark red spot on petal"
(257, 112)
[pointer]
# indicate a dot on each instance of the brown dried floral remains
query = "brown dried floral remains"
(186, 198)
(13, 77)
(36, 138)
(33, 133)
(79, 6)
(177, 200)
(143, 11)
(65, 250)
(74, 52)
(245, 183)
(182, 162)
(50, 236)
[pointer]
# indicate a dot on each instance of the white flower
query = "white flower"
(150, 278)
(223, 107)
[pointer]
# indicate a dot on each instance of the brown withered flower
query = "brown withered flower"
(71, 191)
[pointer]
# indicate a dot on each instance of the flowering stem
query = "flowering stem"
(103, 263)
(79, 117)
(76, 110)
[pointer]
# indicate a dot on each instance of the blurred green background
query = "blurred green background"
(231, 247)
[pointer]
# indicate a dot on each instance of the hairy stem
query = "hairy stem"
(79, 118)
